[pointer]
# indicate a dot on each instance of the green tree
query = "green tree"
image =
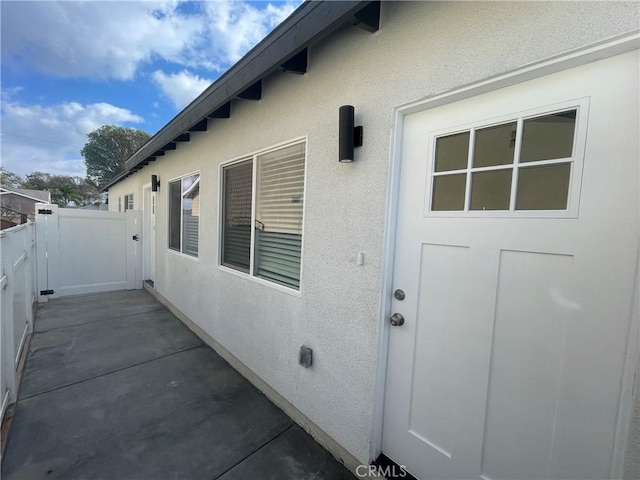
(37, 181)
(10, 179)
(107, 149)
(65, 190)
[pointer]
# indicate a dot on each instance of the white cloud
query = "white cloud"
(93, 39)
(111, 40)
(235, 27)
(182, 87)
(49, 138)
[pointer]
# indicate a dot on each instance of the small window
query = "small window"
(262, 231)
(184, 214)
(128, 202)
(518, 165)
(119, 204)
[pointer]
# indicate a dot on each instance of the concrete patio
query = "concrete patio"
(116, 387)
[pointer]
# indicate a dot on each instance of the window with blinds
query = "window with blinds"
(280, 191)
(184, 214)
(262, 235)
(236, 240)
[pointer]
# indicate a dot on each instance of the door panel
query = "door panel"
(510, 360)
(529, 335)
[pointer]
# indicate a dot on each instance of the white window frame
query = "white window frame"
(168, 248)
(253, 157)
(128, 200)
(581, 106)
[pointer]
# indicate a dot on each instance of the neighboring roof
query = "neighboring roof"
(102, 207)
(285, 48)
(38, 195)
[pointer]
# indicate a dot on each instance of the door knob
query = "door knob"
(396, 320)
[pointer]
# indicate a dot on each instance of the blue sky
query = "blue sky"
(69, 67)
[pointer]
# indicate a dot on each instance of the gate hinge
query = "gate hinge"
(43, 211)
(46, 292)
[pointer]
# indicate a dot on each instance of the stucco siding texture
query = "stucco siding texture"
(632, 455)
(422, 48)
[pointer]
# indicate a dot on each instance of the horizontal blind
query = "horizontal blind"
(278, 257)
(190, 234)
(236, 240)
(175, 201)
(280, 190)
(190, 214)
(279, 215)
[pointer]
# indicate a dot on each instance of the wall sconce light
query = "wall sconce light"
(155, 183)
(349, 136)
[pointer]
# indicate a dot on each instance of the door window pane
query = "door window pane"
(452, 152)
(543, 188)
(448, 192)
(544, 168)
(236, 241)
(495, 145)
(491, 190)
(548, 137)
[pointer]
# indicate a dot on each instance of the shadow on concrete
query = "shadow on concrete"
(116, 387)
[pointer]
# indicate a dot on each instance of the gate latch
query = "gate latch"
(136, 237)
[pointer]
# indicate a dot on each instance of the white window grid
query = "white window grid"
(576, 161)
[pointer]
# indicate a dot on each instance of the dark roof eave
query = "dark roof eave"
(308, 24)
(116, 179)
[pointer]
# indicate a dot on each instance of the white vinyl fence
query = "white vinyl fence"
(64, 252)
(87, 251)
(17, 297)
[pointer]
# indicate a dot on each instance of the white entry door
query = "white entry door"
(517, 244)
(149, 234)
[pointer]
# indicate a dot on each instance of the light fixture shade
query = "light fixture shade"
(346, 134)
(155, 183)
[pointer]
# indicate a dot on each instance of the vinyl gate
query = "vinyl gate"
(87, 251)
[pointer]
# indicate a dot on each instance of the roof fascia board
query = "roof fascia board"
(116, 179)
(309, 23)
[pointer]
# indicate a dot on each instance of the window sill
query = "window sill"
(260, 281)
(183, 255)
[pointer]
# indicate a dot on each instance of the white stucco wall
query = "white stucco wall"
(632, 455)
(421, 48)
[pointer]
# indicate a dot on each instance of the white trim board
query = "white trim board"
(557, 63)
